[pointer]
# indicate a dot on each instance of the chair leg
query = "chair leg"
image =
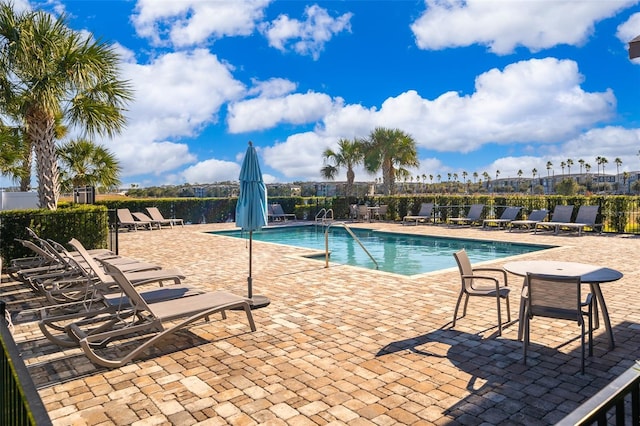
(525, 340)
(508, 309)
(455, 312)
(582, 346)
(499, 316)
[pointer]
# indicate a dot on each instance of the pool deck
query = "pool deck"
(341, 345)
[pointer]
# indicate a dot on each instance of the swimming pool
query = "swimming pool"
(403, 254)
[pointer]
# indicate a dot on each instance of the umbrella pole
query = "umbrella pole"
(249, 279)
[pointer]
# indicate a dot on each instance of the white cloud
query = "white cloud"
(191, 22)
(306, 37)
(264, 113)
(629, 30)
(299, 155)
(536, 101)
(176, 96)
(212, 170)
(504, 25)
(272, 88)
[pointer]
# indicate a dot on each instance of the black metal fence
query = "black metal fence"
(618, 403)
(19, 400)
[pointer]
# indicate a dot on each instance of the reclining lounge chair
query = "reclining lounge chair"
(126, 220)
(424, 215)
(508, 215)
(530, 222)
(561, 214)
(149, 319)
(474, 216)
(586, 218)
(155, 214)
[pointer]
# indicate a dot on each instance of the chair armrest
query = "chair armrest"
(483, 277)
(500, 270)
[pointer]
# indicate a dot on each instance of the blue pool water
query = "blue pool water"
(403, 254)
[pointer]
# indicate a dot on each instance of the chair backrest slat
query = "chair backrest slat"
(464, 265)
(554, 296)
(426, 209)
(562, 213)
(587, 214)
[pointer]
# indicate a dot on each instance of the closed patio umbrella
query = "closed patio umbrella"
(251, 210)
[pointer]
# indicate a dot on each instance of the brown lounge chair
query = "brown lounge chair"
(100, 301)
(126, 220)
(151, 318)
(155, 214)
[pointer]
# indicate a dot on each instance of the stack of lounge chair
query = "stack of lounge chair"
(102, 310)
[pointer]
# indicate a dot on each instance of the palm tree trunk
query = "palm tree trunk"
(25, 176)
(42, 133)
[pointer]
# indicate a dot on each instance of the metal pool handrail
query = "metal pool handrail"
(350, 232)
(324, 214)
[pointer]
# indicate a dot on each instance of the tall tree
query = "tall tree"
(390, 150)
(49, 72)
(83, 163)
(349, 155)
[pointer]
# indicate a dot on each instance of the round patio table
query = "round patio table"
(593, 275)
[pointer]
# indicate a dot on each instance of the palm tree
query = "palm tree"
(569, 164)
(562, 166)
(83, 163)
(581, 161)
(618, 162)
(390, 150)
(50, 74)
(520, 173)
(349, 156)
(549, 165)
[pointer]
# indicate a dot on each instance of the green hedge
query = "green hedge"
(88, 223)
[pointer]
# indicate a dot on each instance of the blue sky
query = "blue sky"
(481, 85)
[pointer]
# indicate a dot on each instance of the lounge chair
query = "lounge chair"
(508, 215)
(425, 214)
(474, 216)
(276, 212)
(497, 286)
(149, 319)
(99, 299)
(561, 214)
(155, 214)
(530, 222)
(586, 218)
(142, 217)
(126, 220)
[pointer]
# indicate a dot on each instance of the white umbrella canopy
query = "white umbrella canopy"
(251, 210)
